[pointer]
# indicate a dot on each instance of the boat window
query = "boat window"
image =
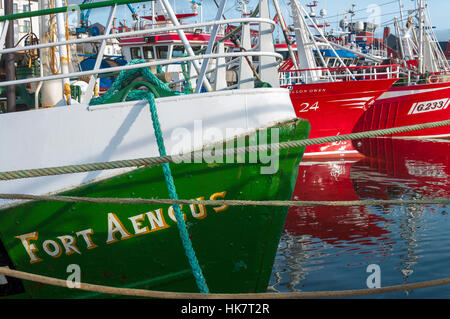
(161, 52)
(195, 49)
(148, 52)
(342, 64)
(331, 62)
(319, 61)
(136, 53)
(338, 63)
(178, 51)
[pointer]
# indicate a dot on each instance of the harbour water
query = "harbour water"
(331, 248)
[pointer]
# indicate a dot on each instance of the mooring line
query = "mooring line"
(184, 295)
(124, 78)
(196, 155)
(279, 203)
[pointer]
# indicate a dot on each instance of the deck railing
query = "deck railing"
(339, 74)
(263, 20)
(410, 77)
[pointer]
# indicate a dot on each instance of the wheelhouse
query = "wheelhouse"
(165, 46)
(333, 61)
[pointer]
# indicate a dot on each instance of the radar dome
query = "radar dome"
(343, 24)
(359, 26)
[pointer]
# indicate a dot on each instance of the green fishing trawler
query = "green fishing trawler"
(138, 246)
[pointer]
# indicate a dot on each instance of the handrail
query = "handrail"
(94, 5)
(135, 33)
(343, 68)
(177, 27)
(138, 66)
(374, 72)
(437, 73)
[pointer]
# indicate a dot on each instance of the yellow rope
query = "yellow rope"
(222, 202)
(184, 295)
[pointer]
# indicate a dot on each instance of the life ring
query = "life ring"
(433, 79)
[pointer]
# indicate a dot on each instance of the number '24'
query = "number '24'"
(306, 107)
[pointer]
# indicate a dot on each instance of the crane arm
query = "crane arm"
(133, 12)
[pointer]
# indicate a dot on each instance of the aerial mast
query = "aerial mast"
(287, 38)
(421, 36)
(9, 61)
(400, 5)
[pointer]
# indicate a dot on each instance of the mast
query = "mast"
(267, 71)
(185, 41)
(399, 37)
(9, 61)
(305, 44)
(285, 33)
(400, 6)
(52, 91)
(64, 54)
(421, 17)
(153, 15)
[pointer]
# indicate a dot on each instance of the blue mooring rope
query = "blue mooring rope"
(124, 77)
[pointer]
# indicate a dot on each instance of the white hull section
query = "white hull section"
(80, 134)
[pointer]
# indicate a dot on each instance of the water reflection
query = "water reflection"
(328, 248)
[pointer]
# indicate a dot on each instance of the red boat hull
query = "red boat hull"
(334, 108)
(410, 105)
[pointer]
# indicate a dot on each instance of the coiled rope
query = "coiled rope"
(184, 295)
(125, 77)
(147, 161)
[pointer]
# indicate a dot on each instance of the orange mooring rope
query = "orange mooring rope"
(184, 295)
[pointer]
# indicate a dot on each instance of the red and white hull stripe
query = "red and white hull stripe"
(334, 108)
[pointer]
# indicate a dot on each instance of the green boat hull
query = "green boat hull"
(138, 246)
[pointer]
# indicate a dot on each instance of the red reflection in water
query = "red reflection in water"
(330, 181)
(392, 169)
(420, 167)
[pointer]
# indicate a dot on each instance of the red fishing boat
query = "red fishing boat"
(335, 107)
(422, 95)
(335, 96)
(365, 84)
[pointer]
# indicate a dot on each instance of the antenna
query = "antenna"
(352, 12)
(241, 6)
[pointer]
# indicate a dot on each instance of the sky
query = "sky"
(380, 11)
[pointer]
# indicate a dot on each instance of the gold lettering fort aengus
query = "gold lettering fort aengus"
(118, 230)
